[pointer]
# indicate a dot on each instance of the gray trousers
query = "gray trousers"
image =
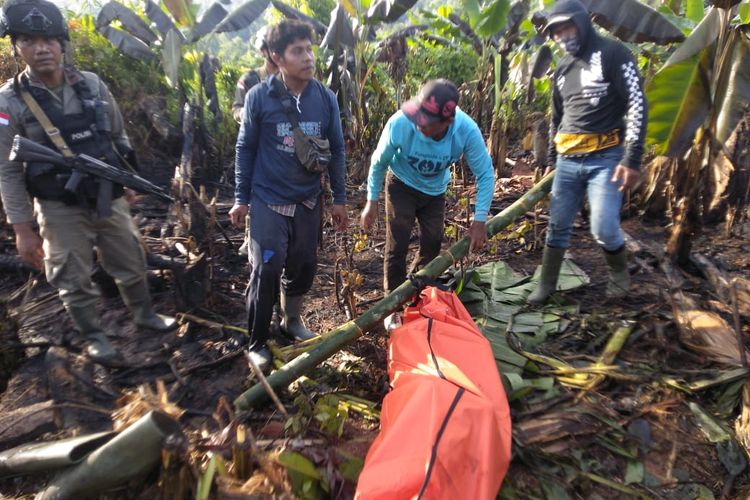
(283, 252)
(71, 233)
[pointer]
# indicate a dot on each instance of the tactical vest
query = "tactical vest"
(88, 132)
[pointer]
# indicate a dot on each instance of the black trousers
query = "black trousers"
(282, 252)
(403, 204)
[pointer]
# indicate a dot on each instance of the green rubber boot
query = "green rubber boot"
(551, 262)
(291, 320)
(138, 300)
(97, 345)
(618, 282)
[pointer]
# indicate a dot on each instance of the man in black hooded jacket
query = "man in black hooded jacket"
(596, 136)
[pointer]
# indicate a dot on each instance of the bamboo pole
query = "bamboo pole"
(342, 335)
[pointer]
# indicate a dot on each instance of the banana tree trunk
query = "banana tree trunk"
(339, 337)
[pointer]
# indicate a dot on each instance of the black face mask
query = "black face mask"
(570, 44)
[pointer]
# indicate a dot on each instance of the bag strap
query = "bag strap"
(286, 101)
(52, 132)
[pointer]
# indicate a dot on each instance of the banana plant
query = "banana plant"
(351, 54)
(698, 102)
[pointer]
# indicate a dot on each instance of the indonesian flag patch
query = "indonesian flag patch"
(4, 119)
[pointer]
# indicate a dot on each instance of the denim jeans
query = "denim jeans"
(590, 175)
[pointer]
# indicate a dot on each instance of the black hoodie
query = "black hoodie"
(598, 89)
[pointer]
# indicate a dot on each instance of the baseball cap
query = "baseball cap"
(556, 19)
(437, 101)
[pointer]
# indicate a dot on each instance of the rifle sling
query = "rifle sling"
(52, 132)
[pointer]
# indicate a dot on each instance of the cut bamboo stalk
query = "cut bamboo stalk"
(339, 337)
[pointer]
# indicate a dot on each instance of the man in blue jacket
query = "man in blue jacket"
(416, 150)
(597, 130)
(283, 194)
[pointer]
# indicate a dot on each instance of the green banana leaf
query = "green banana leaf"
(633, 21)
(516, 15)
(242, 16)
(351, 6)
(679, 100)
(492, 18)
(160, 19)
(495, 296)
(744, 13)
(171, 56)
(733, 86)
(208, 67)
(387, 11)
(292, 13)
(472, 8)
(467, 30)
(213, 16)
(339, 32)
(704, 35)
(127, 43)
(694, 10)
(181, 11)
(407, 32)
(729, 451)
(132, 23)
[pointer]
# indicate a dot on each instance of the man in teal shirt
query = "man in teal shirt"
(416, 149)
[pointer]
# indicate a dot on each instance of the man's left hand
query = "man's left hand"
(627, 177)
(340, 217)
(478, 236)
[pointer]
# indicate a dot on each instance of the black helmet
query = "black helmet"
(32, 17)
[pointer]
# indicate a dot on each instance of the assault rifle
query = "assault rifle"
(81, 165)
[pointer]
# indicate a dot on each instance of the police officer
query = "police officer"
(61, 107)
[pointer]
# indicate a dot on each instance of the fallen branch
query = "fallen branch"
(182, 317)
(337, 338)
(264, 382)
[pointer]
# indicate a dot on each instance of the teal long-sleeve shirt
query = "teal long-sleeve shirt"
(424, 163)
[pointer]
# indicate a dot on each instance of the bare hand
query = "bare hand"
(627, 177)
(369, 215)
(29, 246)
(478, 236)
(237, 215)
(340, 217)
(129, 195)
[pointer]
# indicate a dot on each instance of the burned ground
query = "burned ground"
(630, 429)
